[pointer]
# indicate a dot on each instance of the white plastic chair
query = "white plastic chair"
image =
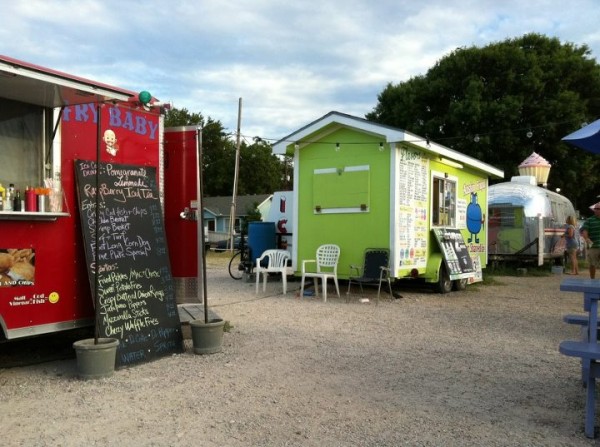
(276, 263)
(327, 260)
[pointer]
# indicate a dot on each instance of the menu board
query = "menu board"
(136, 299)
(412, 219)
(455, 253)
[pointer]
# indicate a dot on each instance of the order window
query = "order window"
(24, 154)
(444, 202)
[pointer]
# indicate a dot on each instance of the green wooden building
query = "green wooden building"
(362, 185)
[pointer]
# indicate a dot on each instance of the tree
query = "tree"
(504, 101)
(182, 117)
(252, 215)
(260, 171)
(218, 152)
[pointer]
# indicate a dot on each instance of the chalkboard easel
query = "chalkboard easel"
(455, 253)
(136, 299)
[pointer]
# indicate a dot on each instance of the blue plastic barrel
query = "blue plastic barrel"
(261, 237)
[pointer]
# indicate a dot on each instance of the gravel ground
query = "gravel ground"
(473, 368)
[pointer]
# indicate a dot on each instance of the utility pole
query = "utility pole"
(235, 177)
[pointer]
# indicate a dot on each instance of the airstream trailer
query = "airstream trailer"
(526, 221)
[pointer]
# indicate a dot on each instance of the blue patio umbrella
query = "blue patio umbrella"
(587, 138)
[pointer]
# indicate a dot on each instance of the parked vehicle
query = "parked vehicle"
(225, 244)
(240, 263)
(526, 221)
(52, 119)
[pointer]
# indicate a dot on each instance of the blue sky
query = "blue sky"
(290, 62)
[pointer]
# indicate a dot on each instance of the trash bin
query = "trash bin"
(261, 237)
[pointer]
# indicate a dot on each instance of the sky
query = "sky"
(289, 62)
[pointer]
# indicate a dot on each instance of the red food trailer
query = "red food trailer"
(49, 119)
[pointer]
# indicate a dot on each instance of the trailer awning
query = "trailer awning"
(32, 84)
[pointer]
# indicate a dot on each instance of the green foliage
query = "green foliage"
(182, 117)
(502, 102)
(253, 214)
(260, 172)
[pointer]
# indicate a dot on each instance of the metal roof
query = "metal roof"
(387, 133)
(33, 84)
(221, 205)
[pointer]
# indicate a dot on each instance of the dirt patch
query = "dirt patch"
(472, 368)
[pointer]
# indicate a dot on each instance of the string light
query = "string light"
(439, 139)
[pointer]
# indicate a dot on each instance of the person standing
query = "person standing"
(572, 244)
(591, 233)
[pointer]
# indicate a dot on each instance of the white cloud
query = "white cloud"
(290, 62)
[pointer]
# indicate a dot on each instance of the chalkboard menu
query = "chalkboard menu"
(136, 299)
(455, 253)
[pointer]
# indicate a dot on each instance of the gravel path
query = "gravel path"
(473, 368)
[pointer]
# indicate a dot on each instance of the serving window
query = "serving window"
(443, 201)
(25, 153)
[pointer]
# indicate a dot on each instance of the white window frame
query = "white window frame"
(451, 210)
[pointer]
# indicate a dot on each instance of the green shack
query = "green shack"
(359, 184)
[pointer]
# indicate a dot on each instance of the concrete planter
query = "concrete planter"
(207, 338)
(96, 361)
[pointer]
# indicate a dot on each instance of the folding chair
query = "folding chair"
(375, 270)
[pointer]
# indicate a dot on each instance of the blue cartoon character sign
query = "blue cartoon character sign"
(474, 218)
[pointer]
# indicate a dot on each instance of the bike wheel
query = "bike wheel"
(236, 269)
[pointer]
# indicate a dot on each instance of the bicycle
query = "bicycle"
(240, 262)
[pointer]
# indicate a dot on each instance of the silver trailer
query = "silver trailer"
(525, 221)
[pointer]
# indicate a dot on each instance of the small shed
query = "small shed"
(362, 185)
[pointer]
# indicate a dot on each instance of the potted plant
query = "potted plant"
(96, 357)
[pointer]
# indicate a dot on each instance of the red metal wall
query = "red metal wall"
(61, 292)
(180, 191)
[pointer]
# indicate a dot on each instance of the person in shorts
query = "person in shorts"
(572, 244)
(591, 233)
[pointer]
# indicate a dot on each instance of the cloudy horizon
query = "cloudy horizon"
(290, 63)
